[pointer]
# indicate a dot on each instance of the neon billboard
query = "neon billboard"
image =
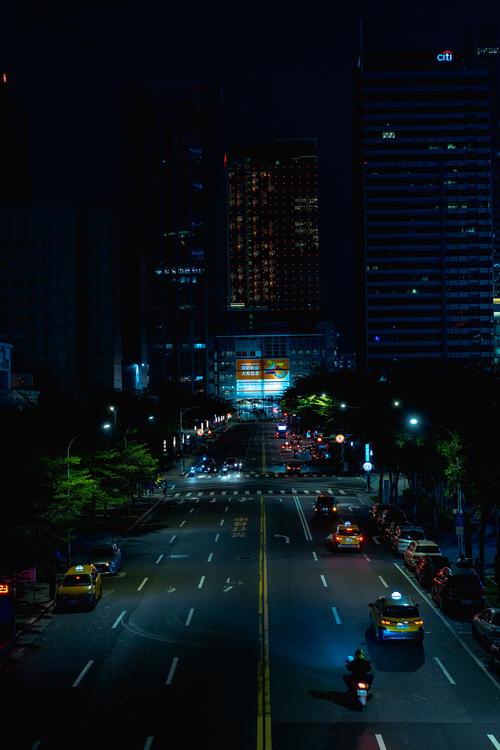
(256, 378)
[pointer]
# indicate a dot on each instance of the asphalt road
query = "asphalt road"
(228, 628)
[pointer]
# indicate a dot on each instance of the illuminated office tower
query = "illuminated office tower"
(273, 229)
(426, 164)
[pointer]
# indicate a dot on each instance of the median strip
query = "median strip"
(118, 619)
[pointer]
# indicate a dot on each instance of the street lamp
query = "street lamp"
(415, 421)
(114, 411)
(183, 411)
(68, 533)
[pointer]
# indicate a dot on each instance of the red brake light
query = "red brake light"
(362, 685)
(338, 538)
(360, 538)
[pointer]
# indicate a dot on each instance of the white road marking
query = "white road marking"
(306, 492)
(209, 559)
(235, 492)
(366, 557)
(493, 741)
(270, 492)
(383, 582)
(226, 509)
(305, 525)
(376, 539)
(221, 522)
(159, 559)
(323, 579)
(247, 492)
(202, 581)
(293, 489)
(191, 510)
(189, 617)
(181, 524)
(444, 670)
(259, 492)
(148, 743)
(336, 615)
(170, 677)
(315, 557)
(380, 742)
(223, 492)
(199, 494)
(172, 539)
(216, 538)
(142, 584)
(436, 610)
(82, 673)
(283, 536)
(118, 620)
(282, 492)
(341, 492)
(212, 494)
(177, 494)
(188, 494)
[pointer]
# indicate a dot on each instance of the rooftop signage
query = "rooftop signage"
(446, 56)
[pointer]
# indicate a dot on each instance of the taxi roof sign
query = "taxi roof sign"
(396, 595)
(79, 568)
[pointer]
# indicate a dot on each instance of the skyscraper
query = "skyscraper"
(172, 216)
(425, 164)
(274, 229)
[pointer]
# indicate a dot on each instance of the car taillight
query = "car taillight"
(338, 538)
(360, 538)
(334, 509)
(418, 622)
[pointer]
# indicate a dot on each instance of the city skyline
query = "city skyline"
(69, 66)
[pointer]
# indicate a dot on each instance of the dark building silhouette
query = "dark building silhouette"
(15, 153)
(426, 163)
(173, 249)
(58, 301)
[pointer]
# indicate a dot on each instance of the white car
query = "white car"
(417, 549)
(404, 535)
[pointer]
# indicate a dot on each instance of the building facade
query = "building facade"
(274, 261)
(174, 233)
(425, 166)
(253, 371)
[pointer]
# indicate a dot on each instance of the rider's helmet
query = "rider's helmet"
(359, 654)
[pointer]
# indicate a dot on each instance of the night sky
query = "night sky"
(285, 69)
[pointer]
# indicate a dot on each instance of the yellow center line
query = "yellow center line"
(263, 676)
(263, 456)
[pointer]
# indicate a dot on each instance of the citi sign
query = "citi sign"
(446, 56)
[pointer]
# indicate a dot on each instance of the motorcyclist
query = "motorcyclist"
(360, 670)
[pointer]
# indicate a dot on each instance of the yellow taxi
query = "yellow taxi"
(396, 616)
(346, 536)
(80, 587)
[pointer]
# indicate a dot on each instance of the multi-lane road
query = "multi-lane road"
(228, 628)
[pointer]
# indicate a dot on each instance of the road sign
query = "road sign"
(340, 438)
(367, 466)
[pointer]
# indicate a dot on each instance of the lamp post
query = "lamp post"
(183, 411)
(68, 533)
(414, 421)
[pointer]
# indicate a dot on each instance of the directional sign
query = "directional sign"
(367, 466)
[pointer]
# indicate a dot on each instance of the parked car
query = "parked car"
(457, 589)
(377, 509)
(486, 626)
(389, 515)
(495, 657)
(107, 558)
(426, 568)
(402, 537)
(417, 549)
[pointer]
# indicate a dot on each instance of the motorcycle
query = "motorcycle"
(358, 688)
